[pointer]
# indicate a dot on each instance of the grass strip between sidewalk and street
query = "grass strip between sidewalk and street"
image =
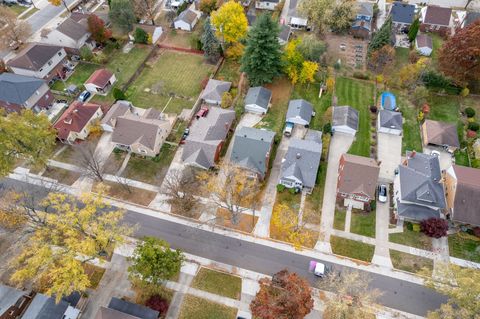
(218, 283)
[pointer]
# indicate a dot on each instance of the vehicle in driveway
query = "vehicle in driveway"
(84, 96)
(288, 129)
(435, 153)
(202, 112)
(382, 193)
(186, 132)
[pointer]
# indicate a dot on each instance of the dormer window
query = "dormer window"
(68, 120)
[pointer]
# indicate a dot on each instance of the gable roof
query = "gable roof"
(206, 133)
(423, 41)
(390, 119)
(467, 195)
(251, 147)
(119, 108)
(259, 96)
(9, 297)
(437, 15)
(188, 16)
(34, 56)
(345, 116)
(300, 109)
(365, 8)
(44, 307)
(74, 28)
(132, 309)
(17, 89)
(302, 160)
(440, 133)
(359, 175)
(107, 313)
(402, 12)
(100, 77)
(75, 118)
(215, 89)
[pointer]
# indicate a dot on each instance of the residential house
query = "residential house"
(13, 302)
(300, 112)
(266, 4)
(424, 44)
(300, 164)
(18, 92)
(362, 25)
(462, 191)
(252, 149)
(154, 31)
(403, 15)
(186, 20)
(295, 19)
(213, 92)
(390, 122)
(75, 122)
(72, 34)
(284, 35)
(207, 138)
(345, 120)
(41, 61)
(440, 134)
(142, 134)
(418, 188)
(119, 108)
(100, 81)
(436, 19)
(258, 100)
(357, 180)
(121, 309)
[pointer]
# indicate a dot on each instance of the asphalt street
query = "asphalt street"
(397, 294)
(45, 15)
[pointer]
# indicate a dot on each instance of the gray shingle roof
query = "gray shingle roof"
(402, 12)
(416, 212)
(43, 307)
(438, 15)
(73, 29)
(135, 310)
(187, 16)
(259, 96)
(467, 195)
(424, 40)
(471, 18)
(16, 88)
(302, 160)
(8, 297)
(390, 119)
(299, 109)
(118, 109)
(345, 116)
(215, 89)
(34, 56)
(251, 147)
(365, 8)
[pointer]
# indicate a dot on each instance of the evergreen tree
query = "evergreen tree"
(210, 44)
(262, 58)
(382, 37)
(412, 32)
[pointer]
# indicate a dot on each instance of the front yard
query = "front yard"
(465, 246)
(351, 248)
(362, 223)
(246, 222)
(312, 212)
(126, 192)
(412, 238)
(218, 283)
(63, 176)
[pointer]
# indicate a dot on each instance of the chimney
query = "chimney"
(413, 153)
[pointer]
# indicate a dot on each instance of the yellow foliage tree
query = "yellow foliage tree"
(66, 232)
(293, 60)
(230, 22)
(330, 84)
(58, 3)
(307, 74)
(235, 51)
(227, 100)
(286, 222)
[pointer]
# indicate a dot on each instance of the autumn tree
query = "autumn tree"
(317, 12)
(15, 31)
(26, 136)
(312, 48)
(210, 44)
(65, 233)
(179, 187)
(153, 261)
(147, 9)
(308, 71)
(230, 22)
(459, 57)
(410, 76)
(461, 285)
(58, 3)
(90, 162)
(292, 60)
(232, 189)
(122, 15)
(382, 37)
(341, 15)
(261, 60)
(208, 6)
(96, 27)
(286, 222)
(285, 296)
(352, 296)
(381, 60)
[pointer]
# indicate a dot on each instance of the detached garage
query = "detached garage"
(345, 120)
(258, 100)
(390, 122)
(299, 112)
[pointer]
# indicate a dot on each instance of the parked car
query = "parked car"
(318, 269)
(84, 96)
(382, 193)
(186, 132)
(288, 129)
(202, 112)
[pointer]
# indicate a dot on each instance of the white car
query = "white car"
(435, 153)
(382, 194)
(318, 269)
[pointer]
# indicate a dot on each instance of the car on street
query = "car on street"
(202, 112)
(288, 129)
(382, 193)
(84, 96)
(318, 269)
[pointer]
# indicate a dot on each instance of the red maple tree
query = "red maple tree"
(97, 28)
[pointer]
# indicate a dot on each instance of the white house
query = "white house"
(266, 4)
(100, 81)
(71, 33)
(345, 120)
(424, 44)
(390, 122)
(186, 20)
(213, 92)
(299, 112)
(258, 100)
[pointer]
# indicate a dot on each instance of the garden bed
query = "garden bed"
(94, 274)
(218, 283)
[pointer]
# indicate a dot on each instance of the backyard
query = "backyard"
(275, 118)
(80, 75)
(411, 128)
(358, 95)
(320, 105)
(170, 76)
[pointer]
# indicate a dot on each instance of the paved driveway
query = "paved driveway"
(389, 153)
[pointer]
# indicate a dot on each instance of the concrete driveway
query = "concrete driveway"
(389, 153)
(445, 157)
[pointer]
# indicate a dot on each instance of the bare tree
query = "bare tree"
(124, 183)
(13, 32)
(179, 186)
(145, 9)
(91, 164)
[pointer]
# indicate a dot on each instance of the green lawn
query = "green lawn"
(437, 42)
(310, 94)
(461, 158)
(198, 308)
(444, 108)
(313, 203)
(275, 118)
(401, 57)
(411, 128)
(218, 283)
(339, 219)
(173, 73)
(465, 246)
(408, 262)
(177, 131)
(80, 75)
(230, 71)
(358, 95)
(412, 238)
(351, 248)
(363, 223)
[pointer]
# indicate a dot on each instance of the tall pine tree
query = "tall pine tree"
(210, 44)
(262, 57)
(382, 37)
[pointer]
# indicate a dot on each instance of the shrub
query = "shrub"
(227, 100)
(409, 225)
(416, 227)
(373, 109)
(86, 54)
(420, 116)
(140, 36)
(292, 191)
(470, 112)
(433, 79)
(474, 126)
(471, 134)
(465, 92)
(280, 188)
(434, 227)
(159, 304)
(327, 128)
(118, 94)
(476, 231)
(360, 75)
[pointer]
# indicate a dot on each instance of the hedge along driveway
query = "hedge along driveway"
(359, 95)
